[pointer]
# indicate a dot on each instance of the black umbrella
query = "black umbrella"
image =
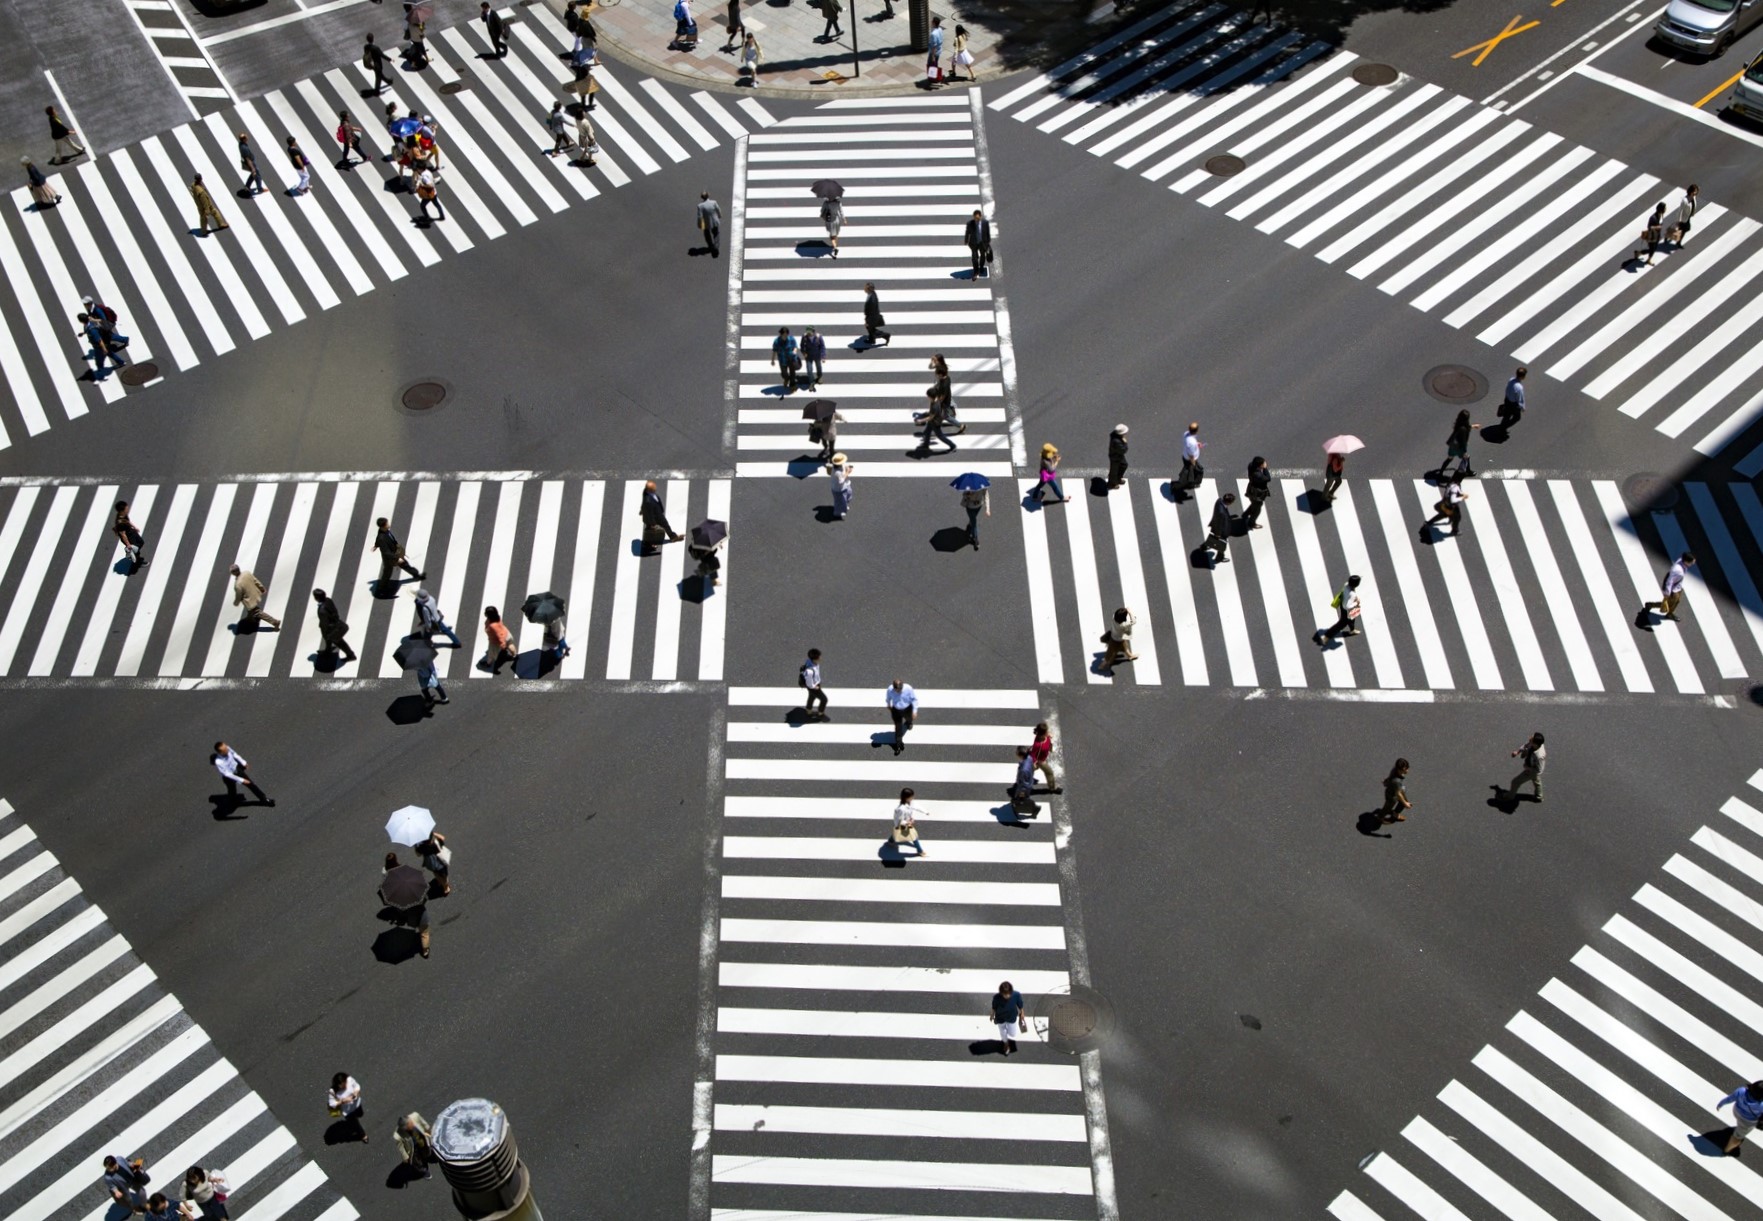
(820, 409)
(414, 654)
(826, 188)
(404, 887)
(709, 532)
(542, 608)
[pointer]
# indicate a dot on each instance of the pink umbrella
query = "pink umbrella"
(1343, 444)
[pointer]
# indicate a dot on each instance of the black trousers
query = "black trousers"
(816, 696)
(902, 722)
(1252, 514)
(1116, 471)
(232, 788)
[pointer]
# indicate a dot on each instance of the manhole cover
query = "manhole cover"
(1455, 384)
(423, 396)
(138, 374)
(454, 87)
(1375, 74)
(1648, 492)
(1074, 1021)
(1225, 165)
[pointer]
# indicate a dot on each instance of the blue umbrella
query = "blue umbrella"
(972, 481)
(406, 127)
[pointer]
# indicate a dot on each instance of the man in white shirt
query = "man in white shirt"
(1191, 470)
(1512, 410)
(808, 675)
(1670, 590)
(902, 703)
(235, 770)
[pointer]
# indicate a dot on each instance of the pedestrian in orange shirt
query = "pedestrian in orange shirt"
(500, 648)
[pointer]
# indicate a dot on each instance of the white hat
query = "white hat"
(1121, 429)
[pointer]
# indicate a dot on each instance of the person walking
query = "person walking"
(1332, 474)
(428, 685)
(42, 194)
(414, 1139)
(428, 191)
(302, 167)
(207, 1191)
(1670, 592)
(345, 1103)
(751, 57)
(1049, 477)
(331, 628)
(416, 52)
(685, 28)
(825, 433)
(587, 140)
(978, 236)
(1652, 234)
(253, 184)
(1512, 409)
(391, 551)
(1191, 469)
(942, 391)
(906, 822)
(493, 26)
(814, 366)
(126, 1181)
(249, 592)
(557, 123)
(67, 140)
(1533, 755)
(1686, 213)
(1259, 489)
(808, 678)
(936, 415)
(437, 858)
(1219, 528)
(129, 535)
(974, 501)
(1457, 447)
(1747, 1108)
(207, 215)
(1395, 794)
(1022, 789)
(429, 620)
(1117, 640)
(902, 702)
(653, 511)
(554, 639)
(710, 223)
(963, 56)
(832, 215)
(839, 471)
(1117, 456)
(1346, 606)
(498, 645)
(783, 355)
(103, 342)
(933, 60)
(832, 29)
(235, 770)
(1007, 1007)
(348, 135)
(373, 58)
(1449, 507)
(873, 321)
(736, 27)
(1041, 751)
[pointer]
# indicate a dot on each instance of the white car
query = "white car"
(1707, 27)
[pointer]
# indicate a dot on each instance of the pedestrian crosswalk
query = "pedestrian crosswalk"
(97, 1059)
(856, 1070)
(1538, 593)
(1600, 1100)
(1514, 234)
(72, 607)
(124, 229)
(913, 170)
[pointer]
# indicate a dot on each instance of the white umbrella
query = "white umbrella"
(410, 826)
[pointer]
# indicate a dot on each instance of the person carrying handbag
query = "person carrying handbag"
(906, 822)
(1117, 640)
(413, 1138)
(207, 1190)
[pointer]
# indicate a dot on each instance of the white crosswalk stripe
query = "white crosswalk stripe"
(912, 178)
(283, 259)
(1604, 1096)
(97, 1058)
(1539, 592)
(71, 605)
(851, 978)
(1408, 186)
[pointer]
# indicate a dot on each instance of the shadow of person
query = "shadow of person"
(227, 806)
(1312, 501)
(1713, 1143)
(326, 663)
(528, 665)
(342, 1132)
(1008, 815)
(1504, 802)
(402, 1176)
(1371, 824)
(950, 539)
(1098, 486)
(1032, 503)
(986, 1047)
(1496, 434)
(408, 710)
(392, 946)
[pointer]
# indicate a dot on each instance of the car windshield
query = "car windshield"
(1716, 6)
(1755, 71)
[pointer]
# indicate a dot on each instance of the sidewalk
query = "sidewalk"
(1004, 36)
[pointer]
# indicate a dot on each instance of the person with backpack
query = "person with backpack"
(349, 137)
(685, 29)
(373, 58)
(808, 678)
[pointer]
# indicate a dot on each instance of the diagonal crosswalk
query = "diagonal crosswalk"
(1600, 1098)
(1538, 593)
(72, 606)
(123, 231)
(1513, 234)
(97, 1058)
(914, 171)
(856, 1069)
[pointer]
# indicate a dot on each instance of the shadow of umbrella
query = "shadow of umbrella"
(407, 710)
(950, 539)
(393, 946)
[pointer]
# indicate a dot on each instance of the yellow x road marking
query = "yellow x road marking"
(1512, 27)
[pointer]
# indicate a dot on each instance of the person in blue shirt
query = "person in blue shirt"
(1747, 1109)
(933, 69)
(1007, 1009)
(783, 353)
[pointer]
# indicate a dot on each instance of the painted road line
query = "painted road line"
(894, 933)
(890, 890)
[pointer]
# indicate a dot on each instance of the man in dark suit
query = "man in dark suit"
(979, 243)
(655, 523)
(493, 23)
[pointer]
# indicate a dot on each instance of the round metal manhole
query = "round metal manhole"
(423, 396)
(1375, 74)
(1455, 384)
(138, 374)
(1650, 493)
(1074, 1021)
(1225, 164)
(454, 87)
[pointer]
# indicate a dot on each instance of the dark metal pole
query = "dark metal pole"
(856, 64)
